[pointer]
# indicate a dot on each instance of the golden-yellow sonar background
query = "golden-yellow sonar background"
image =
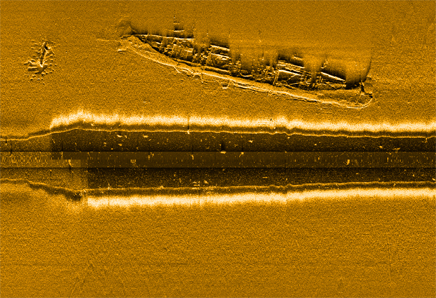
(344, 246)
(90, 74)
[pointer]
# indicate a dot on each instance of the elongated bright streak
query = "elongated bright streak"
(229, 199)
(172, 122)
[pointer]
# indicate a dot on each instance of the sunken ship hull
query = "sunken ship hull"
(289, 68)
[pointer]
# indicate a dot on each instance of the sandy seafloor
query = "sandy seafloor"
(89, 73)
(364, 247)
(319, 248)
